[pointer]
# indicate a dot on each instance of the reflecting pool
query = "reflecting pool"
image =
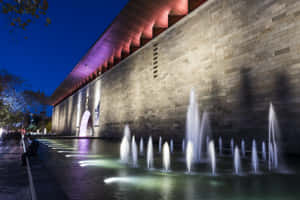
(92, 169)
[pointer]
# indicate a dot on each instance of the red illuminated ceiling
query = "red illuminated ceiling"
(139, 22)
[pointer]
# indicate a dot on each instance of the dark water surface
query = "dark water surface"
(90, 169)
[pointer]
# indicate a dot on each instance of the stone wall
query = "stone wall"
(238, 55)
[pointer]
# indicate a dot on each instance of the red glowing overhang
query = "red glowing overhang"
(139, 22)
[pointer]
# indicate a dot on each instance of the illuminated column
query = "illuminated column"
(87, 98)
(70, 112)
(97, 92)
(53, 119)
(78, 111)
(58, 110)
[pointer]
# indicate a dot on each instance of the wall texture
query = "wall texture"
(238, 55)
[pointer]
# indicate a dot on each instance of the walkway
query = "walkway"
(13, 177)
(14, 184)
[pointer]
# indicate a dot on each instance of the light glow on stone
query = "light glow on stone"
(180, 7)
(84, 123)
(163, 20)
(97, 93)
(111, 42)
(78, 109)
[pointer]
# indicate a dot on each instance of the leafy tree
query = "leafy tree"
(36, 101)
(38, 121)
(16, 103)
(8, 80)
(23, 12)
(11, 104)
(49, 124)
(4, 114)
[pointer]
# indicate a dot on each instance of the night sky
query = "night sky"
(51, 52)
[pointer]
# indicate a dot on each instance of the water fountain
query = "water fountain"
(141, 146)
(166, 157)
(183, 145)
(243, 148)
(193, 126)
(159, 144)
(272, 139)
(232, 146)
(193, 145)
(189, 156)
(263, 151)
(237, 161)
(125, 145)
(254, 158)
(212, 156)
(134, 152)
(150, 163)
(220, 146)
(271, 157)
(195, 131)
(205, 129)
(207, 142)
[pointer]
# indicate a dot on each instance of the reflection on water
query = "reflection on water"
(82, 156)
(166, 188)
(119, 180)
(97, 173)
(72, 152)
(104, 163)
(63, 148)
(83, 145)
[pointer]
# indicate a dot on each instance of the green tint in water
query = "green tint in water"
(107, 178)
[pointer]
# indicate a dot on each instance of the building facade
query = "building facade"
(237, 55)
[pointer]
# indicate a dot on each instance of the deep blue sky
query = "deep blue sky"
(50, 53)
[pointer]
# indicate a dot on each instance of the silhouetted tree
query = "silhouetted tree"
(23, 12)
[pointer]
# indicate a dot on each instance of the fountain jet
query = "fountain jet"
(232, 146)
(220, 146)
(263, 151)
(166, 157)
(189, 156)
(254, 159)
(159, 144)
(134, 152)
(207, 142)
(237, 161)
(205, 129)
(172, 145)
(212, 156)
(195, 131)
(273, 134)
(141, 146)
(183, 145)
(125, 145)
(193, 126)
(243, 148)
(150, 159)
